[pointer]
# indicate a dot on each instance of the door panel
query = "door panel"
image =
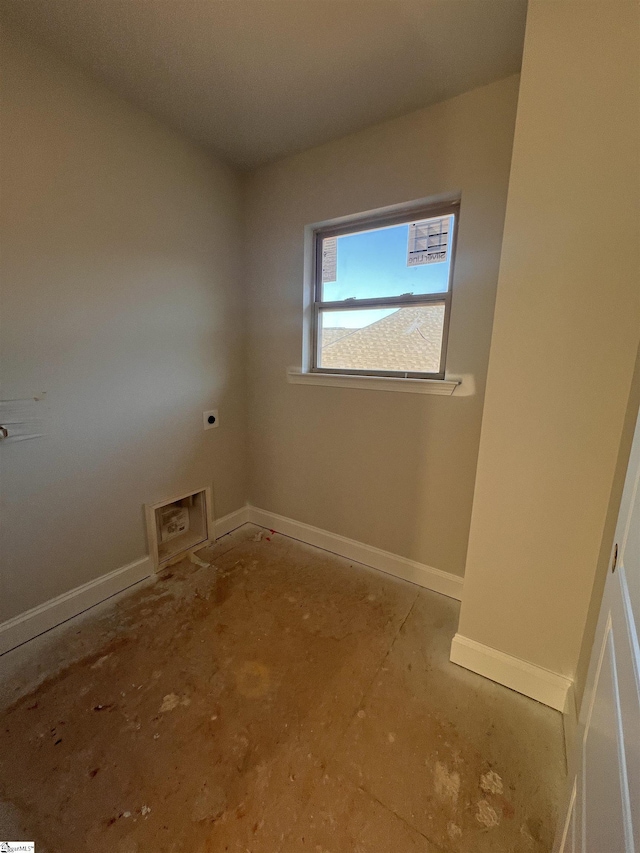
(603, 815)
(630, 552)
(629, 690)
(569, 844)
(604, 782)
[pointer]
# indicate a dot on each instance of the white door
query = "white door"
(603, 814)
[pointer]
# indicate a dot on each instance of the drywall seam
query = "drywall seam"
(45, 616)
(384, 561)
(541, 684)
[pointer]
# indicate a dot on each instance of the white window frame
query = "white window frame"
(369, 222)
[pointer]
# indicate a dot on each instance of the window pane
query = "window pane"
(414, 257)
(403, 339)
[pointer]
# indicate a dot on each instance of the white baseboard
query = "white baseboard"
(541, 684)
(229, 522)
(392, 564)
(45, 616)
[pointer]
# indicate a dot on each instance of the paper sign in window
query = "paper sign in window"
(329, 259)
(428, 241)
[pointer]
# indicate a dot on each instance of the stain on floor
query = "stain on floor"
(279, 700)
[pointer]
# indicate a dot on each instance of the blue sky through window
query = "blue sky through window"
(374, 263)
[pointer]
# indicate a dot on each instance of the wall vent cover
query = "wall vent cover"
(178, 525)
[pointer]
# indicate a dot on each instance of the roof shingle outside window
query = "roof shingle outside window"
(409, 340)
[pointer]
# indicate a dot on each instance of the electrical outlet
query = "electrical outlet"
(210, 419)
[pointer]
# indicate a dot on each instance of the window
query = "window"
(382, 294)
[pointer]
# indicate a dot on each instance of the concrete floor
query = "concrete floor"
(282, 700)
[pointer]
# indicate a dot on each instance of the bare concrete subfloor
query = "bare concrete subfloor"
(280, 700)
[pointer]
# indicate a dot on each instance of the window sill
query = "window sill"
(443, 387)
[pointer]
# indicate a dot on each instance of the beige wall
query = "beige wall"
(393, 470)
(121, 301)
(566, 333)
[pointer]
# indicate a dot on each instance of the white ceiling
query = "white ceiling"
(258, 79)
